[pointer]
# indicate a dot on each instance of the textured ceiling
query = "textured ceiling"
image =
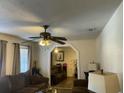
(69, 18)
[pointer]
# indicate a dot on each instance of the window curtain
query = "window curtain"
(30, 56)
(16, 59)
(2, 57)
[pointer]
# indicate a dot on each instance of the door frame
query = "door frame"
(77, 56)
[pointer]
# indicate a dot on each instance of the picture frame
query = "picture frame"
(60, 56)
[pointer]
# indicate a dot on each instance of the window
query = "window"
(24, 59)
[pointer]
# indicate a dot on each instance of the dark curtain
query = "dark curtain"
(16, 59)
(30, 56)
(3, 57)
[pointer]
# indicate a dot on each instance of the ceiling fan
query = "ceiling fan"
(47, 36)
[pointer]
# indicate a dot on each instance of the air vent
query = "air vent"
(92, 29)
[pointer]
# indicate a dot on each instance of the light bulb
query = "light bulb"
(47, 42)
(44, 42)
(56, 50)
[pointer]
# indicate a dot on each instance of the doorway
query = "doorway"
(64, 66)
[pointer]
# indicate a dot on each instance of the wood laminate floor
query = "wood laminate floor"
(67, 83)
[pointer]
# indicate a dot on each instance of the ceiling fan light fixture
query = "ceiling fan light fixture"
(44, 42)
(47, 37)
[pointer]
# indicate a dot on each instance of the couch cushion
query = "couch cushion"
(39, 86)
(37, 79)
(27, 90)
(5, 85)
(17, 82)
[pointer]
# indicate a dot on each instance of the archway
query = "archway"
(77, 59)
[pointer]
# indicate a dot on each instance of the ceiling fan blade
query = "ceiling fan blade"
(60, 38)
(57, 41)
(36, 37)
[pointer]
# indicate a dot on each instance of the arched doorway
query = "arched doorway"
(71, 59)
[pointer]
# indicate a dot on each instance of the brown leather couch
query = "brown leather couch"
(57, 75)
(22, 83)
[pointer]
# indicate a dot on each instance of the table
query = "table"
(105, 82)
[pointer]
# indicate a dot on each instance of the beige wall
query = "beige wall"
(69, 58)
(71, 61)
(110, 45)
(87, 53)
(44, 61)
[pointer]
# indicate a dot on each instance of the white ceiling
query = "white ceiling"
(69, 18)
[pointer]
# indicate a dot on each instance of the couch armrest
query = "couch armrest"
(80, 83)
(5, 85)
